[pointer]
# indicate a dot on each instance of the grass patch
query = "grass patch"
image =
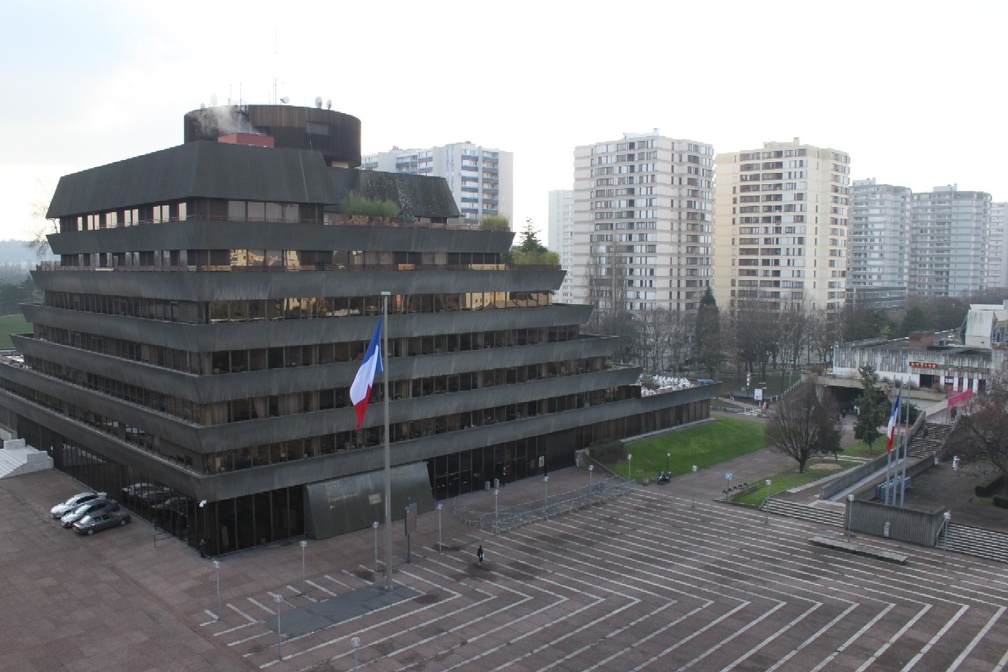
(704, 445)
(792, 479)
(12, 324)
(860, 449)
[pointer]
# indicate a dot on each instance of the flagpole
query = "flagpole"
(388, 468)
(906, 446)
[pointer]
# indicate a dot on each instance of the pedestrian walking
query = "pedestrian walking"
(955, 464)
(479, 554)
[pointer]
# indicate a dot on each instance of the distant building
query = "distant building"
(878, 244)
(781, 219)
(480, 178)
(948, 241)
(643, 217)
(996, 263)
(560, 233)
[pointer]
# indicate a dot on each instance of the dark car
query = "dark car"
(95, 522)
(94, 506)
(69, 505)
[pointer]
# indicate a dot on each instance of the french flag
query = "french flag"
(360, 391)
(893, 421)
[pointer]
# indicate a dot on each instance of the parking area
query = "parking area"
(663, 578)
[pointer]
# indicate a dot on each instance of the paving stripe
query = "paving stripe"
(899, 633)
(976, 640)
(934, 640)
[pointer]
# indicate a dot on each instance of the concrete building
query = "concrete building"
(878, 244)
(481, 179)
(211, 304)
(780, 226)
(996, 263)
(643, 211)
(560, 235)
(948, 241)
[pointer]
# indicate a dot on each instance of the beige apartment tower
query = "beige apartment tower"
(780, 226)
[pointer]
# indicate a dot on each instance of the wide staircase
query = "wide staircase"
(16, 459)
(976, 541)
(824, 513)
(930, 441)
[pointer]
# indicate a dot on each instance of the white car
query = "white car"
(69, 505)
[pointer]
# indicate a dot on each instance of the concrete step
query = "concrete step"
(976, 541)
(815, 514)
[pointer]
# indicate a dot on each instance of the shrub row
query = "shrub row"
(989, 487)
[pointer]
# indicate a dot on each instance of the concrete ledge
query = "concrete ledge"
(858, 549)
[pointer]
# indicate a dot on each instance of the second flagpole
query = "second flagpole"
(388, 468)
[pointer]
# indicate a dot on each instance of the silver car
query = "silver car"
(95, 522)
(94, 506)
(69, 505)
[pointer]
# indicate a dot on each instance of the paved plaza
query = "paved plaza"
(663, 578)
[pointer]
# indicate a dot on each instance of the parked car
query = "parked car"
(69, 505)
(179, 504)
(145, 492)
(94, 506)
(95, 522)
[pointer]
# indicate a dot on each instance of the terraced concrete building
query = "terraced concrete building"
(209, 308)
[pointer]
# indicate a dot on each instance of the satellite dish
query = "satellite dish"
(285, 100)
(328, 104)
(213, 99)
(318, 102)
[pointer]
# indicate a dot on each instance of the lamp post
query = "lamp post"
(304, 545)
(202, 540)
(374, 526)
(693, 503)
(216, 566)
(278, 599)
(439, 507)
(946, 516)
(591, 468)
(850, 511)
(766, 507)
(629, 471)
(545, 495)
(355, 643)
(496, 510)
(667, 456)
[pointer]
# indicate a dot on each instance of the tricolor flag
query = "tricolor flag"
(360, 390)
(893, 421)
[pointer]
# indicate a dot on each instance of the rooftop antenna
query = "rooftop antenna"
(328, 104)
(318, 102)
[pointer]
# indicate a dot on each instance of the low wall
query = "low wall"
(915, 527)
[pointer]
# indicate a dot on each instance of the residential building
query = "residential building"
(643, 211)
(211, 304)
(481, 179)
(996, 263)
(878, 244)
(948, 241)
(560, 235)
(780, 226)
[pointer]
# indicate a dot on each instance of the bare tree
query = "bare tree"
(41, 228)
(657, 328)
(757, 334)
(981, 431)
(804, 424)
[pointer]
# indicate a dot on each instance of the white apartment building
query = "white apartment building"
(481, 179)
(643, 217)
(997, 247)
(780, 226)
(878, 244)
(948, 240)
(560, 235)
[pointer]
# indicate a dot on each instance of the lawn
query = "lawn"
(12, 324)
(703, 445)
(814, 470)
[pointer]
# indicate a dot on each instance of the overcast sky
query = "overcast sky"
(914, 91)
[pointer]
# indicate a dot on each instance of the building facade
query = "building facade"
(481, 179)
(781, 225)
(996, 262)
(643, 217)
(948, 241)
(209, 309)
(878, 245)
(560, 235)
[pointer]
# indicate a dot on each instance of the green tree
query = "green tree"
(914, 320)
(873, 411)
(707, 351)
(531, 251)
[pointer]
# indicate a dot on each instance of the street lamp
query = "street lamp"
(667, 456)
(766, 504)
(439, 507)
(216, 566)
(946, 516)
(374, 526)
(278, 599)
(850, 511)
(496, 515)
(629, 473)
(304, 545)
(355, 643)
(545, 495)
(591, 468)
(693, 504)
